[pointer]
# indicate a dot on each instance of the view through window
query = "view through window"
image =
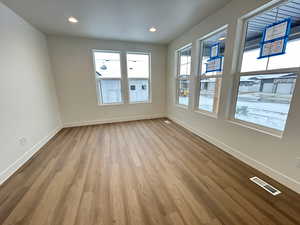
(138, 72)
(265, 99)
(108, 77)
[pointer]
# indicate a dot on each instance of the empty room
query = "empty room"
(150, 112)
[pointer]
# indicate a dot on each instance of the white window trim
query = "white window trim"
(149, 101)
(177, 71)
(200, 77)
(124, 78)
(260, 128)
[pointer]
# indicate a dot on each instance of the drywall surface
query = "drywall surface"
(72, 62)
(272, 155)
(28, 103)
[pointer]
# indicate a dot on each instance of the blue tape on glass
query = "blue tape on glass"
(215, 51)
(214, 64)
(275, 44)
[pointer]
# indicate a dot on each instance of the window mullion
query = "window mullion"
(125, 82)
(100, 90)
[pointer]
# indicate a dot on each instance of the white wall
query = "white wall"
(75, 80)
(28, 103)
(274, 156)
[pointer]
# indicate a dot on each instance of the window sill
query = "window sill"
(113, 104)
(137, 103)
(181, 106)
(206, 113)
(261, 129)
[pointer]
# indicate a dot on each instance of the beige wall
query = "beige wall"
(272, 155)
(28, 103)
(74, 73)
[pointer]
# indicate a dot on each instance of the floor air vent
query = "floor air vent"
(265, 186)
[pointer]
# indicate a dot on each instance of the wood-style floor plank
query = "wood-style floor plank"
(140, 173)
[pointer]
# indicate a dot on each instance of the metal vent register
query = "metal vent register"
(269, 188)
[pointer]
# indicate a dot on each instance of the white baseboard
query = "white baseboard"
(26, 156)
(276, 175)
(114, 120)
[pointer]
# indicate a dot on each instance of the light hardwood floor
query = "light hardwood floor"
(139, 173)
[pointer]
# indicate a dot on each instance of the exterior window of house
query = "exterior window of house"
(184, 60)
(212, 49)
(138, 72)
(108, 77)
(266, 84)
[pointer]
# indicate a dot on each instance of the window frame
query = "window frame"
(98, 80)
(200, 76)
(149, 78)
(240, 51)
(177, 76)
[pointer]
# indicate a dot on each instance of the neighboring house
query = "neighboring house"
(282, 85)
(138, 90)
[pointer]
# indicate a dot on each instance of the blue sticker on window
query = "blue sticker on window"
(214, 64)
(275, 39)
(215, 50)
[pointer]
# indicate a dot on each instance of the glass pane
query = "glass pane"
(265, 99)
(254, 35)
(111, 91)
(251, 63)
(138, 65)
(220, 38)
(183, 91)
(185, 58)
(209, 94)
(107, 64)
(289, 59)
(185, 69)
(138, 90)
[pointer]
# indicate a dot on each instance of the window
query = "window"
(266, 85)
(138, 72)
(108, 77)
(183, 75)
(210, 78)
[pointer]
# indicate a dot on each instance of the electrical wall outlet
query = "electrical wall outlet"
(23, 141)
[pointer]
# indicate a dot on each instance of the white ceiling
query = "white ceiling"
(116, 19)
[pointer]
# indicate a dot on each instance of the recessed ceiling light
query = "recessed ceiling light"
(152, 29)
(73, 20)
(222, 38)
